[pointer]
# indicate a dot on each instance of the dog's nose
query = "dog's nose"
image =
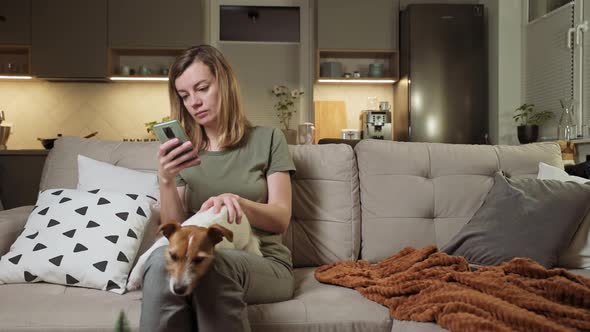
(179, 290)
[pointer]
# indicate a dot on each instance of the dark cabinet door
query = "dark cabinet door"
(355, 24)
(69, 39)
(155, 23)
(15, 22)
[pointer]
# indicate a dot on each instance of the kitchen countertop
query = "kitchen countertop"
(24, 152)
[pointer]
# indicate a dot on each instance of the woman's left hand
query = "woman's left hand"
(231, 201)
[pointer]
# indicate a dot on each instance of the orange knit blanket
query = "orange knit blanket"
(429, 286)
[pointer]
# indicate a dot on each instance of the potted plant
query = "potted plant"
(528, 121)
(285, 109)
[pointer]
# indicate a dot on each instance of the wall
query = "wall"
(115, 110)
(504, 21)
(355, 97)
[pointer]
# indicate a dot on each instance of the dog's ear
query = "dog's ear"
(216, 233)
(168, 229)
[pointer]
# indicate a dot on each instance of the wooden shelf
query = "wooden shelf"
(359, 61)
(15, 60)
(157, 61)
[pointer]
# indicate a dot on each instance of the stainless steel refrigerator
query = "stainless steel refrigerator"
(442, 92)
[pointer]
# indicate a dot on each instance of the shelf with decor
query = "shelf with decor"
(15, 62)
(337, 66)
(140, 64)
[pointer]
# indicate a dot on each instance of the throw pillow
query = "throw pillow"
(522, 218)
(93, 174)
(79, 238)
(577, 254)
(548, 172)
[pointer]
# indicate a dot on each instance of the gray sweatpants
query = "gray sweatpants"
(218, 303)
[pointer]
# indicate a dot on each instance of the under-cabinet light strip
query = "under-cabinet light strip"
(126, 78)
(355, 81)
(14, 77)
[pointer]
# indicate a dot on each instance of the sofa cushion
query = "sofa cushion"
(522, 218)
(55, 308)
(61, 166)
(320, 307)
(416, 194)
(325, 224)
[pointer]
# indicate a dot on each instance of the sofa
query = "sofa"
(363, 203)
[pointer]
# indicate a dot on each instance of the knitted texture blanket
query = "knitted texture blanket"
(430, 286)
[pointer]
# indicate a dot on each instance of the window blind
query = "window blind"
(549, 64)
(586, 75)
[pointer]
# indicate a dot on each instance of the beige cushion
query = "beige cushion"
(49, 308)
(325, 225)
(61, 166)
(320, 307)
(416, 194)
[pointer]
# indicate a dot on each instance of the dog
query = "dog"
(191, 248)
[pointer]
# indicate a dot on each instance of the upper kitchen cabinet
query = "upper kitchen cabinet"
(155, 23)
(145, 36)
(15, 22)
(15, 37)
(357, 25)
(69, 39)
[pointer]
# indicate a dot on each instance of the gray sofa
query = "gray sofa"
(365, 203)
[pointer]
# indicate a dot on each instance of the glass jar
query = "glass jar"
(566, 128)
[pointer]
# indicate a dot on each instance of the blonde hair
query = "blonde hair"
(232, 125)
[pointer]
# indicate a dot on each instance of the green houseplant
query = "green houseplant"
(285, 108)
(528, 121)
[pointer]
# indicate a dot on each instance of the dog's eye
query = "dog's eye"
(198, 259)
(173, 257)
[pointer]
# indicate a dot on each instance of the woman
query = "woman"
(234, 164)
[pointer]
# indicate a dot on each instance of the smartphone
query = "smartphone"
(171, 129)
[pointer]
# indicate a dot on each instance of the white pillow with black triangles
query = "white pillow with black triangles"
(79, 238)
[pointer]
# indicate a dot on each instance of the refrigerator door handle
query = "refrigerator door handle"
(570, 31)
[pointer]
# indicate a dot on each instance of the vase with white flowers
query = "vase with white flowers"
(285, 105)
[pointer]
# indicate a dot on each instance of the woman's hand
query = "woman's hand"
(231, 201)
(173, 158)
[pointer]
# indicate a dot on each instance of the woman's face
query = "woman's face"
(199, 91)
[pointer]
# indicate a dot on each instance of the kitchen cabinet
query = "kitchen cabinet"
(15, 22)
(20, 174)
(354, 24)
(145, 36)
(155, 23)
(69, 39)
(15, 37)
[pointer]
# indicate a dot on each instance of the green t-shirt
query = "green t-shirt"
(242, 171)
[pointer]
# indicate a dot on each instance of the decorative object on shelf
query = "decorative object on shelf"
(306, 133)
(285, 105)
(528, 121)
(150, 125)
(375, 70)
(566, 128)
(331, 69)
(125, 70)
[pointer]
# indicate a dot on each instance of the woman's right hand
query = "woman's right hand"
(172, 160)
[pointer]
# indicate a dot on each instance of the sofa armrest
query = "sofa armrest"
(12, 223)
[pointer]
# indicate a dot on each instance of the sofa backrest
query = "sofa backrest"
(61, 166)
(416, 194)
(325, 227)
(325, 224)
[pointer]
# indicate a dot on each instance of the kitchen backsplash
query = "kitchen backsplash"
(355, 97)
(115, 110)
(119, 110)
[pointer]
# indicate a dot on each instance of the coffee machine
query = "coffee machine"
(377, 124)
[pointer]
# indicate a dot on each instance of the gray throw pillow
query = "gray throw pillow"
(522, 218)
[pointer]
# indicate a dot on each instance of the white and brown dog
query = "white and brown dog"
(191, 248)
